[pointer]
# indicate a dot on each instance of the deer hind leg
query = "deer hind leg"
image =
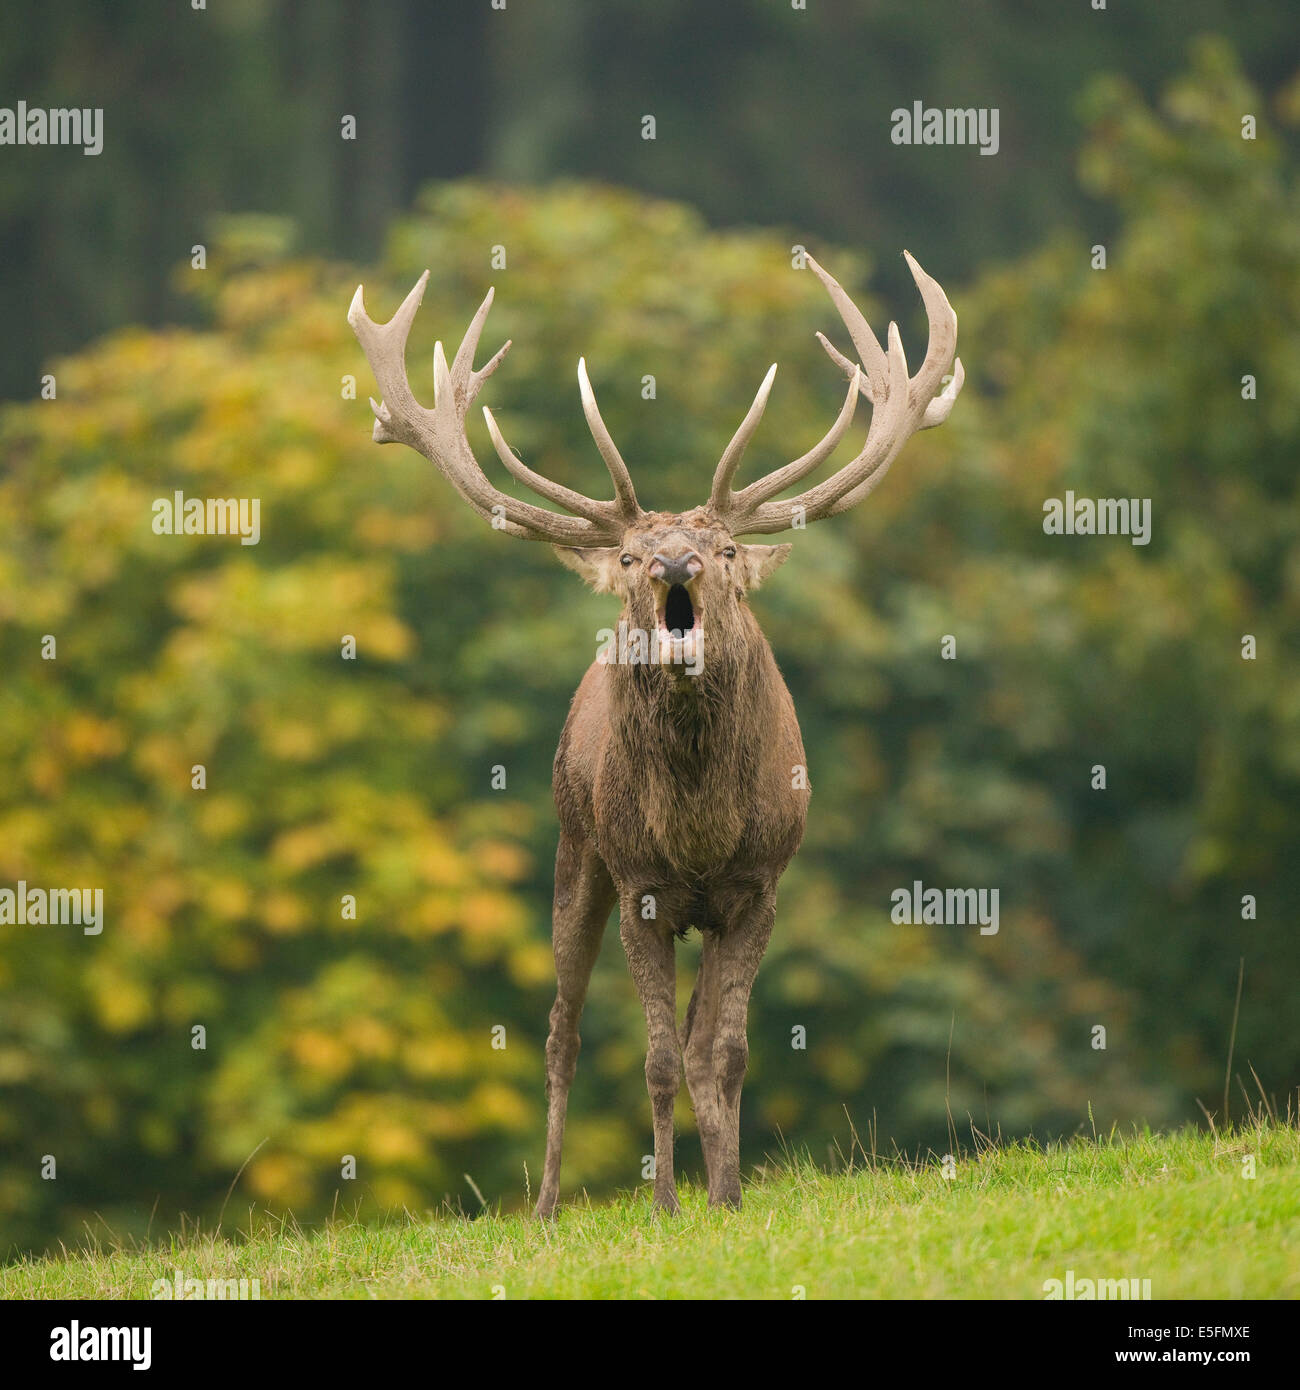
(650, 958)
(584, 894)
(737, 953)
(698, 1032)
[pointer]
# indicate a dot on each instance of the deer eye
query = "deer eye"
(730, 552)
(625, 560)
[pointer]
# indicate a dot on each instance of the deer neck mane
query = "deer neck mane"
(684, 717)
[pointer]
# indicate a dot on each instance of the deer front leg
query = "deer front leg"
(650, 958)
(737, 952)
(584, 894)
(698, 1032)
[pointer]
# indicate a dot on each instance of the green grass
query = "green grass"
(1175, 1209)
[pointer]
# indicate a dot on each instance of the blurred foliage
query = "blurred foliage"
(327, 777)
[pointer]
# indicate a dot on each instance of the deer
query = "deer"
(680, 781)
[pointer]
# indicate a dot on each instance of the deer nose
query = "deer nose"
(676, 569)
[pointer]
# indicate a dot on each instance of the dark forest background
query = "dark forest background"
(766, 116)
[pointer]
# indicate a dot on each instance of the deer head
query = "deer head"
(677, 573)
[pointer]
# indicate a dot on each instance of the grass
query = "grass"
(1175, 1209)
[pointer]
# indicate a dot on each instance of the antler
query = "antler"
(439, 434)
(900, 405)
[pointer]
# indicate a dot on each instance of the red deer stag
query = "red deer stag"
(679, 781)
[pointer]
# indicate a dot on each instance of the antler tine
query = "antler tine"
(463, 376)
(943, 322)
(885, 438)
(935, 413)
(729, 504)
(735, 450)
(870, 353)
(901, 405)
(385, 347)
(940, 350)
(439, 434)
(463, 363)
(544, 487)
(623, 490)
(941, 407)
(778, 481)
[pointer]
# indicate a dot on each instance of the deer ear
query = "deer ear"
(596, 564)
(761, 560)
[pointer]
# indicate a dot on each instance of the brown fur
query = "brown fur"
(681, 790)
(674, 789)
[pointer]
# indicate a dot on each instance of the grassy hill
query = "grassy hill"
(1179, 1210)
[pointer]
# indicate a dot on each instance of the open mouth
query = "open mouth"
(680, 615)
